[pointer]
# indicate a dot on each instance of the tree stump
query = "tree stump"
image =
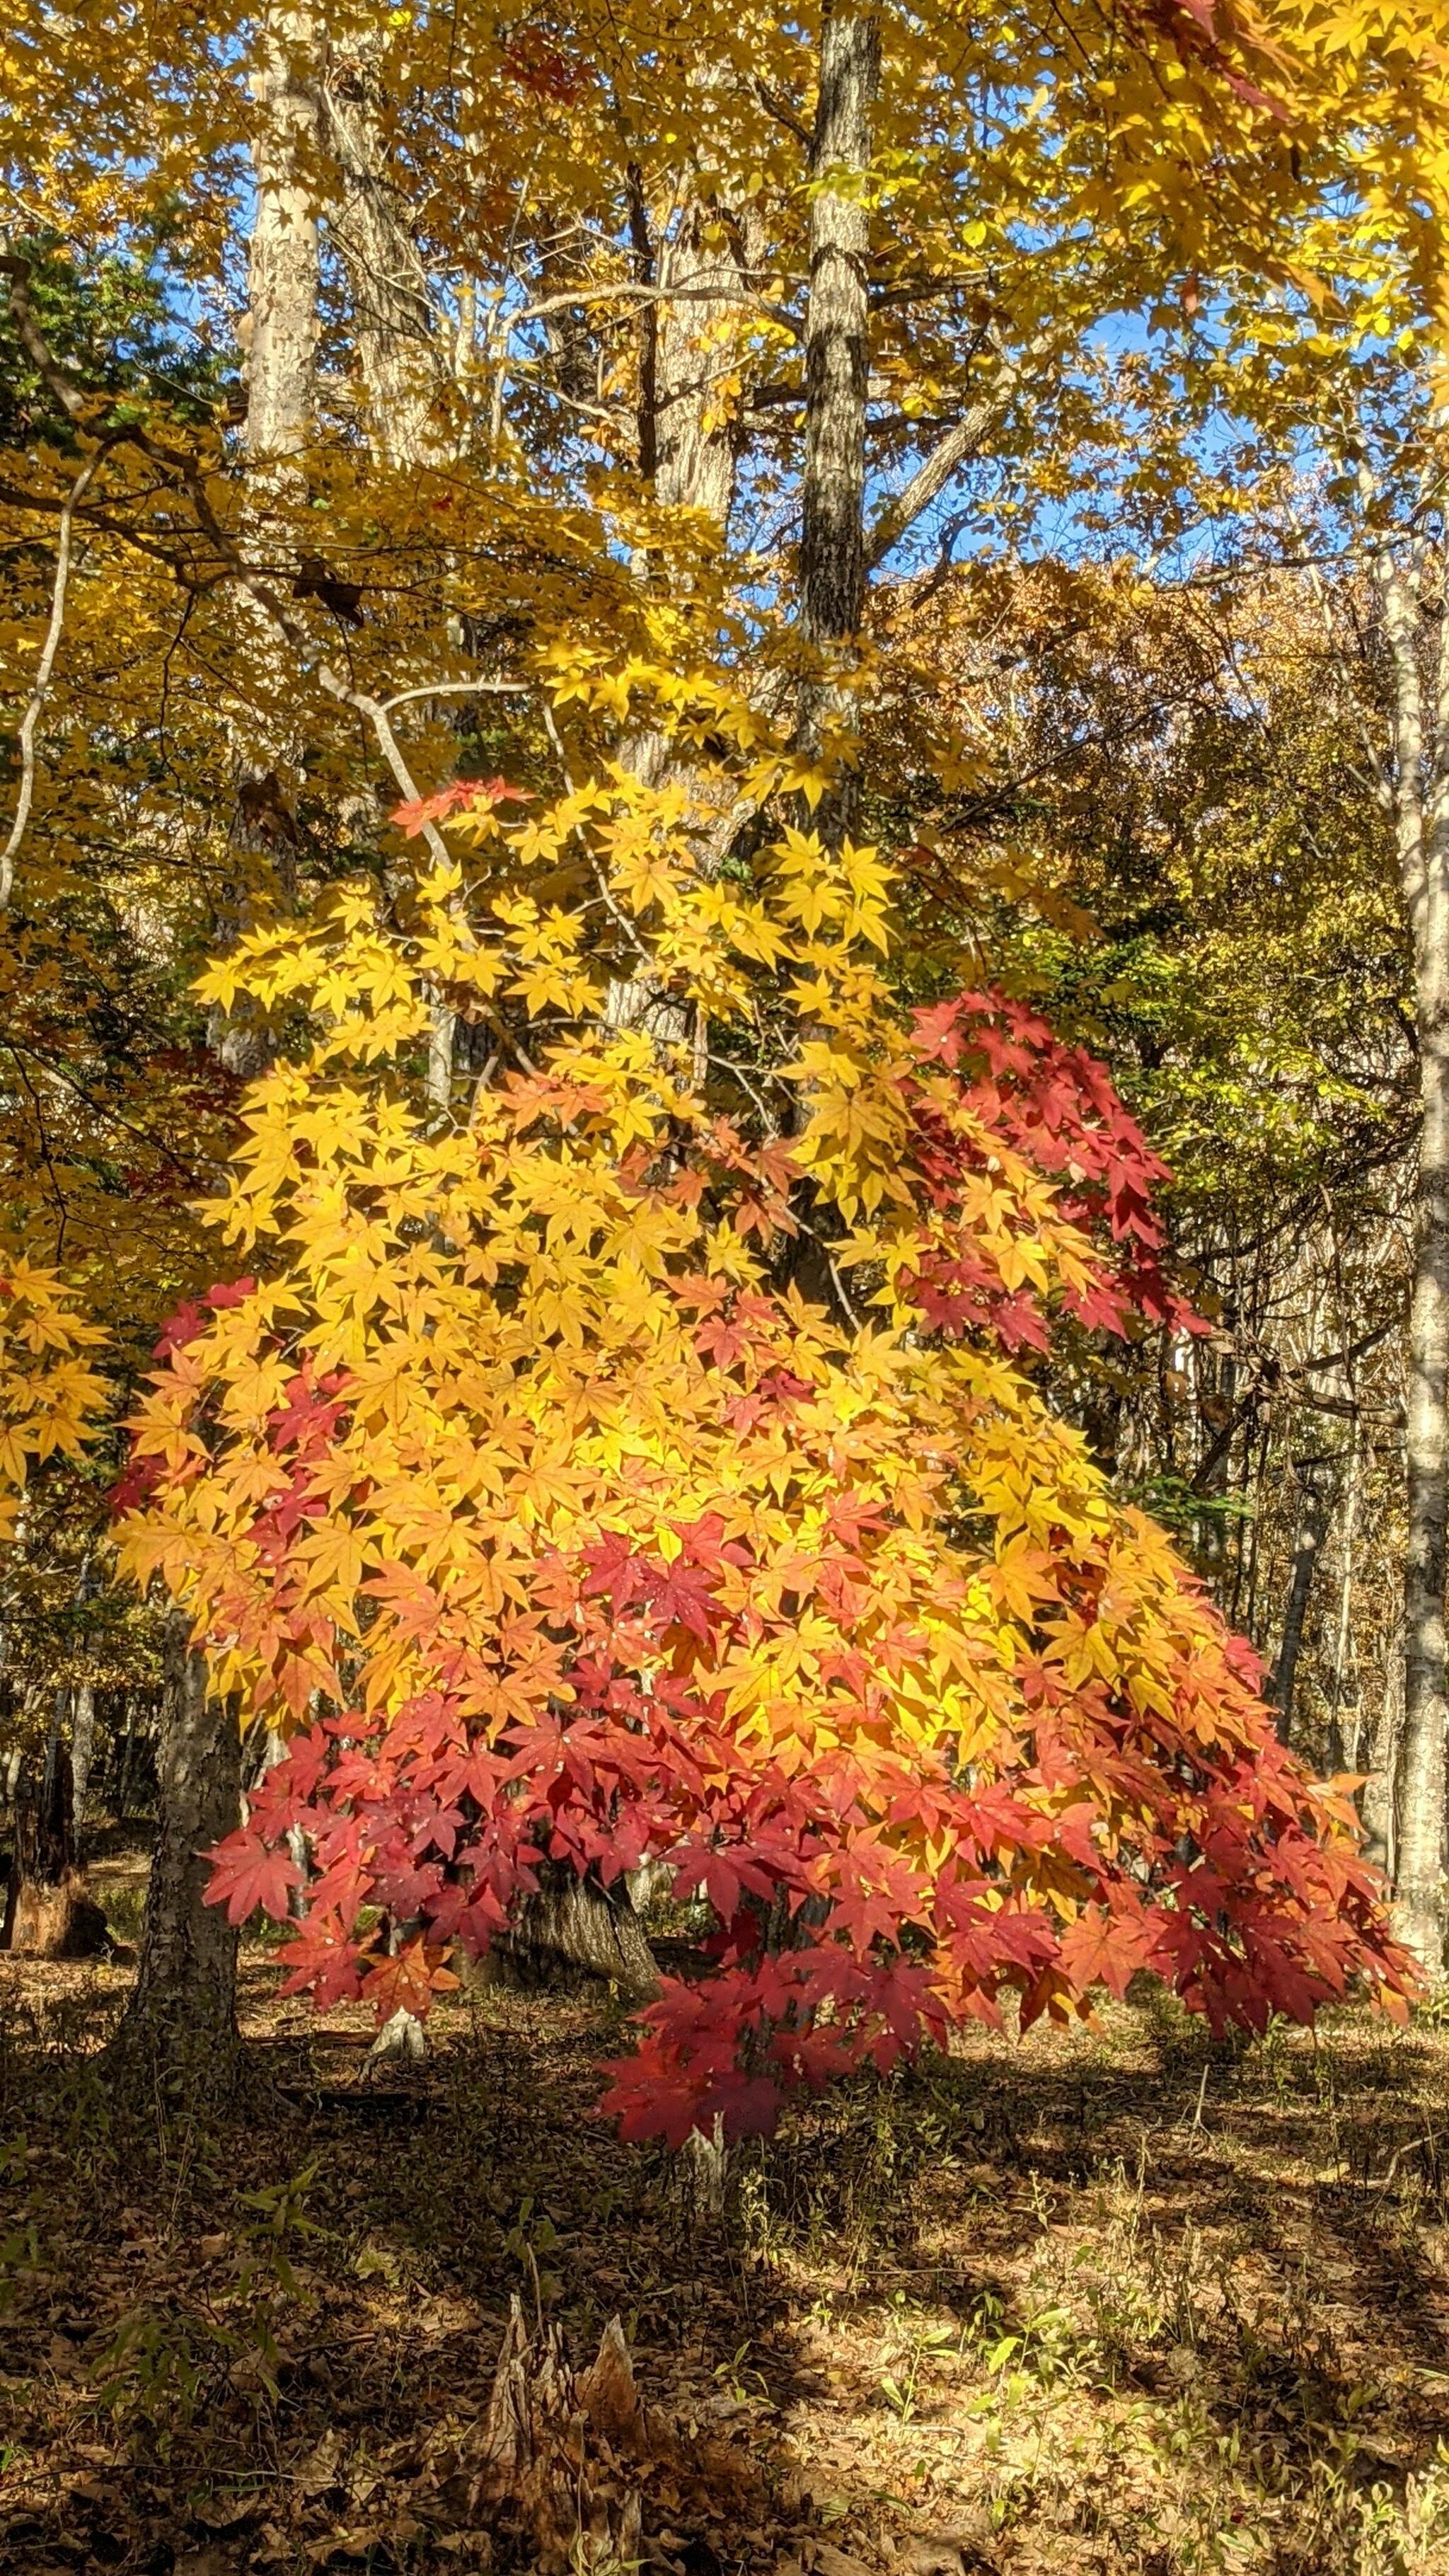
(48, 1914)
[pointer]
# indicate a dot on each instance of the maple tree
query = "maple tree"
(645, 1367)
(553, 1527)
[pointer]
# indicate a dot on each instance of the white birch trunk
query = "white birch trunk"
(1421, 819)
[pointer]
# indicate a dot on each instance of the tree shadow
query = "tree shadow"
(993, 2286)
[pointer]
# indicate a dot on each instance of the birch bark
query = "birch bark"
(1420, 746)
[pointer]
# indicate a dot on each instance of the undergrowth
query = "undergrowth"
(1121, 2304)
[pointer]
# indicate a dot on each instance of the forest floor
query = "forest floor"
(1120, 2300)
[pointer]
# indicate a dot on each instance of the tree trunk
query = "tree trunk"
(832, 501)
(577, 1925)
(54, 1813)
(278, 337)
(1339, 1758)
(1422, 836)
(403, 371)
(82, 1747)
(124, 1759)
(48, 1914)
(1311, 1527)
(404, 374)
(42, 1863)
(688, 451)
(283, 269)
(1419, 1891)
(837, 371)
(1379, 1800)
(692, 442)
(403, 2037)
(181, 2018)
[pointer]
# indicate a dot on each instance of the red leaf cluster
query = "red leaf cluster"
(1058, 1108)
(460, 796)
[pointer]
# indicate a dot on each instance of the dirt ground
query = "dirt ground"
(1081, 2305)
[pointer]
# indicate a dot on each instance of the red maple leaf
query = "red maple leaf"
(245, 1874)
(457, 797)
(180, 1327)
(323, 1961)
(230, 1292)
(407, 1983)
(1102, 1949)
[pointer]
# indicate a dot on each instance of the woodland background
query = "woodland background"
(1033, 419)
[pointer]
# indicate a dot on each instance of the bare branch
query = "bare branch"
(460, 689)
(630, 291)
(946, 458)
(46, 665)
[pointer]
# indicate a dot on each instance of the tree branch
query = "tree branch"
(69, 392)
(782, 114)
(946, 458)
(460, 689)
(46, 665)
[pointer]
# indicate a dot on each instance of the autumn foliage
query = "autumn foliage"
(52, 1398)
(524, 1486)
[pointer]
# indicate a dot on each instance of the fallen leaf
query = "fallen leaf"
(320, 2470)
(838, 2562)
(224, 2513)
